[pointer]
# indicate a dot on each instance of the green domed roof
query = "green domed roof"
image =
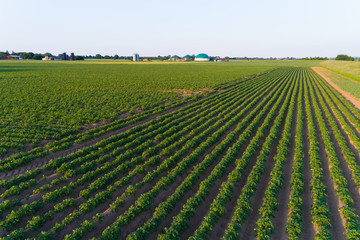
(188, 56)
(202, 55)
(175, 56)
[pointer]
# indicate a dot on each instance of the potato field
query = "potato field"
(268, 153)
(49, 101)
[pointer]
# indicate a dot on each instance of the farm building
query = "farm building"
(218, 59)
(188, 58)
(136, 57)
(13, 57)
(175, 58)
(202, 57)
(48, 58)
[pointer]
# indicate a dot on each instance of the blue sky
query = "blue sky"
(258, 28)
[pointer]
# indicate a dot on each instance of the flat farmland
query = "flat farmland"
(267, 152)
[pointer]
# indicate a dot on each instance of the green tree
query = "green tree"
(38, 56)
(79, 58)
(27, 55)
(344, 57)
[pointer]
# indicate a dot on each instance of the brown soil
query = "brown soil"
(355, 101)
(187, 93)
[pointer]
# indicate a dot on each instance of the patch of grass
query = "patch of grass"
(345, 84)
(345, 68)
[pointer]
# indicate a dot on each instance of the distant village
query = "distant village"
(202, 57)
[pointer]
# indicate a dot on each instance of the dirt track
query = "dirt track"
(321, 71)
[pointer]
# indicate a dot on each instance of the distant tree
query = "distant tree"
(27, 55)
(107, 57)
(98, 56)
(38, 56)
(48, 54)
(314, 58)
(79, 58)
(116, 57)
(4, 54)
(344, 57)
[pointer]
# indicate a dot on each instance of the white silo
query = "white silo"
(136, 57)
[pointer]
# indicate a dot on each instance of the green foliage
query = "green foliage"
(51, 100)
(344, 57)
(348, 69)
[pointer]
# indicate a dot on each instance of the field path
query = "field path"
(322, 71)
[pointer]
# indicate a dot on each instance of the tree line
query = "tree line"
(35, 56)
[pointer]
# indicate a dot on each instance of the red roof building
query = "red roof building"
(13, 57)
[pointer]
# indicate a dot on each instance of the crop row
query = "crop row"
(294, 222)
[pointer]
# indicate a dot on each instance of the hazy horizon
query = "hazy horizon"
(229, 28)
